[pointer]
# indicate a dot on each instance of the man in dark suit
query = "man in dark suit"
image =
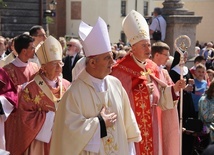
(74, 48)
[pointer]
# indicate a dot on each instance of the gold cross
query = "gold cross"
(144, 73)
(142, 32)
(53, 49)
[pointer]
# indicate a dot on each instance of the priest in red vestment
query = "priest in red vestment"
(170, 120)
(8, 101)
(140, 78)
(20, 70)
(29, 131)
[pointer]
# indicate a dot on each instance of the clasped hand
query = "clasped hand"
(109, 117)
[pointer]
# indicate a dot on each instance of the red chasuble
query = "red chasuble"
(134, 82)
(20, 75)
(7, 89)
(24, 124)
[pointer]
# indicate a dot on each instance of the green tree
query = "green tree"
(2, 3)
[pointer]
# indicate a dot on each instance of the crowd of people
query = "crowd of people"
(62, 97)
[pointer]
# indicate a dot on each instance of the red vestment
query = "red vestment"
(8, 100)
(7, 89)
(21, 75)
(170, 124)
(148, 115)
(25, 123)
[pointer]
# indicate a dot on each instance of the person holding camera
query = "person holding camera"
(157, 28)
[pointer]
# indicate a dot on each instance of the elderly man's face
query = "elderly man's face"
(71, 48)
(53, 69)
(142, 50)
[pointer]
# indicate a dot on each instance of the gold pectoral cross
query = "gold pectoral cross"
(146, 73)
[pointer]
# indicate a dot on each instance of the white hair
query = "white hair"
(77, 43)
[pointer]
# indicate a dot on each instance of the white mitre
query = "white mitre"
(135, 27)
(49, 50)
(95, 39)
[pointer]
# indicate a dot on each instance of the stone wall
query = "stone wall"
(20, 15)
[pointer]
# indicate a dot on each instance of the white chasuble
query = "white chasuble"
(79, 109)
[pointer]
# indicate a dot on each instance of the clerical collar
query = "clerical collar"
(17, 62)
(51, 83)
(139, 63)
(161, 67)
(138, 60)
(99, 84)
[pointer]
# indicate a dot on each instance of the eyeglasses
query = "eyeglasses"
(70, 45)
(55, 64)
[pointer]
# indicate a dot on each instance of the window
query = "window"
(145, 8)
(123, 8)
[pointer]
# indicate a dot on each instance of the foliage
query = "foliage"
(2, 3)
(49, 20)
